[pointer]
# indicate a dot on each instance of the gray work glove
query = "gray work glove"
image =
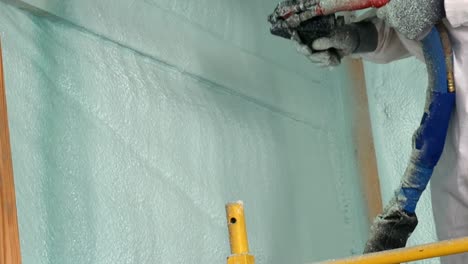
(412, 18)
(344, 41)
(391, 230)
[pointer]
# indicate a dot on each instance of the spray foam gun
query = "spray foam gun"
(314, 16)
(313, 19)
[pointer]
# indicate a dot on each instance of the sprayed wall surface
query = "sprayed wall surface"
(397, 94)
(134, 122)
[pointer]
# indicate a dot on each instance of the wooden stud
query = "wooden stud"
(9, 233)
(363, 139)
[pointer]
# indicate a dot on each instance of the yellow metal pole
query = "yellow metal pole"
(238, 235)
(439, 249)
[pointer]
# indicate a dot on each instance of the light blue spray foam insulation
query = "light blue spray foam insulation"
(131, 131)
(397, 93)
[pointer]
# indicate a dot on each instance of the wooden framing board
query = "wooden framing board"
(363, 139)
(9, 232)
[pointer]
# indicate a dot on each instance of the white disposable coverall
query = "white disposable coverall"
(449, 184)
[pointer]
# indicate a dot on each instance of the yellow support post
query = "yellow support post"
(439, 249)
(238, 235)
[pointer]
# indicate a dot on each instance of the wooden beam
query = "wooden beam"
(9, 234)
(363, 139)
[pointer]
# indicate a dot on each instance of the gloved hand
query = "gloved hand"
(412, 18)
(391, 230)
(328, 51)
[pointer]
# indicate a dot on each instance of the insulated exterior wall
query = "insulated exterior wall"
(134, 122)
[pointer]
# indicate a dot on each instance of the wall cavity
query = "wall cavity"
(134, 122)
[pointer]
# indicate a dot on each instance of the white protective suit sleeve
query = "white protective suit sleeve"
(393, 46)
(457, 12)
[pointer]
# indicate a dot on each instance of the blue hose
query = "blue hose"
(429, 138)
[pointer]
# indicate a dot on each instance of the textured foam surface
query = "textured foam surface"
(134, 122)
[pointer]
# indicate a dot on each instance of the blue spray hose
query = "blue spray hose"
(429, 138)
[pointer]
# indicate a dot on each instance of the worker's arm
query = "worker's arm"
(391, 45)
(397, 22)
(413, 19)
(371, 38)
